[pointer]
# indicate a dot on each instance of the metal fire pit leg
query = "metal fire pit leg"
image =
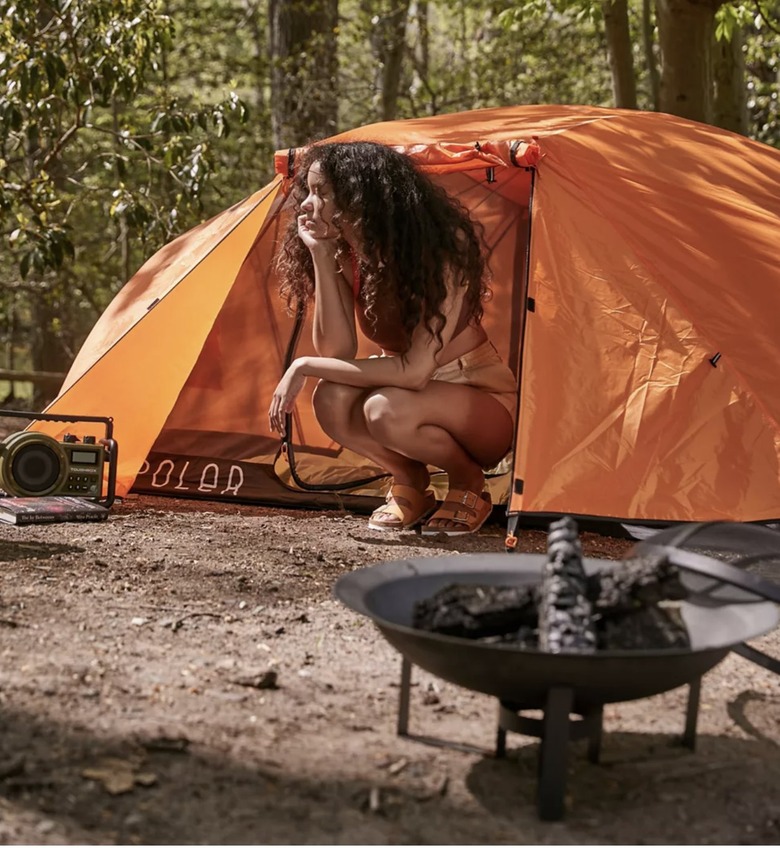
(553, 753)
(402, 725)
(403, 697)
(500, 735)
(692, 714)
(596, 731)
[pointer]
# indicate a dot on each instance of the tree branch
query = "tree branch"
(61, 142)
(765, 17)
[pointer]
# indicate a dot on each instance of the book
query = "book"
(47, 510)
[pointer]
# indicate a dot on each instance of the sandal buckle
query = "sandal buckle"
(469, 499)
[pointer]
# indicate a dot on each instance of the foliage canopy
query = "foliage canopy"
(124, 122)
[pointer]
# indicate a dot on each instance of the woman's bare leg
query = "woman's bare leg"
(454, 427)
(339, 411)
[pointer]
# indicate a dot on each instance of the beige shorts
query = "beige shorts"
(483, 369)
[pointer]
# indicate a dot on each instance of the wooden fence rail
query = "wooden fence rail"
(36, 377)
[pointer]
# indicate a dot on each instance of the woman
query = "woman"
(375, 243)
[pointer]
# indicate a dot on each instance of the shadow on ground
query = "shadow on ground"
(178, 795)
(13, 551)
(673, 794)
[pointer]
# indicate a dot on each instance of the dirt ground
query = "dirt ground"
(134, 656)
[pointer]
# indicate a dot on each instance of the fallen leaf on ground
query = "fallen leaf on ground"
(264, 680)
(119, 776)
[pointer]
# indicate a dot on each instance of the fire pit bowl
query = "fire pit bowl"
(718, 617)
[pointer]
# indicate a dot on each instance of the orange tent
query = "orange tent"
(636, 294)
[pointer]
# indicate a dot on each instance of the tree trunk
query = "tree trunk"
(46, 351)
(124, 236)
(685, 35)
(303, 47)
(8, 299)
(388, 23)
(621, 59)
(259, 52)
(424, 43)
(648, 40)
(393, 49)
(421, 92)
(730, 102)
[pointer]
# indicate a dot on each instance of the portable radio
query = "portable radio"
(34, 465)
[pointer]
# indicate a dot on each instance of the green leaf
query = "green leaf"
(15, 118)
(56, 253)
(50, 67)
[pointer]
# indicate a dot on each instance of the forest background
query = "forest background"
(127, 122)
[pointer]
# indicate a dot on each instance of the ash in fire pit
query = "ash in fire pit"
(632, 605)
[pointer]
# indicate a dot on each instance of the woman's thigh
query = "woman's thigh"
(474, 418)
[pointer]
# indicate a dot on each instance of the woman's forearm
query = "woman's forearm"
(366, 373)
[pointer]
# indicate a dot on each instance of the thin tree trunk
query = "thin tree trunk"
(9, 296)
(46, 352)
(303, 46)
(51, 318)
(394, 47)
(421, 56)
(259, 52)
(124, 237)
(685, 35)
(621, 59)
(424, 42)
(730, 102)
(464, 95)
(648, 41)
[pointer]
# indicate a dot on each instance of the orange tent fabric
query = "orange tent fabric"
(636, 293)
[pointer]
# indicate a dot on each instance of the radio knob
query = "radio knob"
(89, 440)
(69, 438)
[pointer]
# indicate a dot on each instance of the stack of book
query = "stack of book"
(47, 510)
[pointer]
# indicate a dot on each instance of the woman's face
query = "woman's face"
(319, 207)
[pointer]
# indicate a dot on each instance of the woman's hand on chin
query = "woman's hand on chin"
(316, 235)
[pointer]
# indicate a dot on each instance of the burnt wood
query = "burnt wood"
(630, 605)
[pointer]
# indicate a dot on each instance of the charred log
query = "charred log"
(478, 612)
(636, 605)
(635, 583)
(565, 614)
(650, 627)
(633, 605)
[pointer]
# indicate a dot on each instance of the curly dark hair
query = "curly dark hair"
(415, 238)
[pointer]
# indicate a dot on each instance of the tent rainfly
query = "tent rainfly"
(636, 294)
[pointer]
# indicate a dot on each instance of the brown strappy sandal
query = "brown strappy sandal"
(468, 509)
(407, 505)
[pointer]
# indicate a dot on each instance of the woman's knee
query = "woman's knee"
(389, 414)
(333, 404)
